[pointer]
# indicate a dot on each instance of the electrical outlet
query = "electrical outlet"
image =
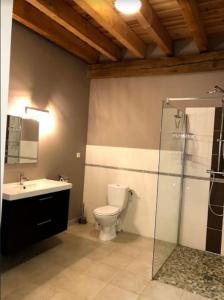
(78, 154)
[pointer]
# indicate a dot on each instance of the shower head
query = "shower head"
(178, 115)
(217, 89)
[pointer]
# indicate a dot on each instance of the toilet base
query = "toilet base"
(107, 233)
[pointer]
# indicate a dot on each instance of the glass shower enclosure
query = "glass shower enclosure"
(182, 123)
(170, 180)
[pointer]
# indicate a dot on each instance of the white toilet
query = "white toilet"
(108, 216)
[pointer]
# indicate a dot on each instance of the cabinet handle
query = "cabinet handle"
(45, 222)
(45, 198)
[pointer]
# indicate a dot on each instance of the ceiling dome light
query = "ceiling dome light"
(128, 7)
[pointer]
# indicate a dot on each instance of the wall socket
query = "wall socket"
(78, 155)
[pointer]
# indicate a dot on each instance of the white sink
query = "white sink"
(15, 191)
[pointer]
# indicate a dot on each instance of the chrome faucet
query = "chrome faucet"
(22, 178)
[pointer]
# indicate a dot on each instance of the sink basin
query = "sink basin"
(15, 191)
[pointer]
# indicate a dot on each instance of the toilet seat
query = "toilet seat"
(106, 210)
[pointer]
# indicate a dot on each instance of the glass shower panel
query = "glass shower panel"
(170, 173)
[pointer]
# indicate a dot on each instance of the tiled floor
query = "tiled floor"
(75, 266)
(196, 271)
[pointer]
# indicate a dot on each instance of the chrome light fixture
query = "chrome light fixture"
(37, 114)
(29, 108)
(128, 7)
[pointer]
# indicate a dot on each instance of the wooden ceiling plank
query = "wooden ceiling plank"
(62, 13)
(103, 12)
(192, 17)
(38, 22)
(149, 20)
(210, 61)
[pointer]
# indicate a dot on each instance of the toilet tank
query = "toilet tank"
(118, 195)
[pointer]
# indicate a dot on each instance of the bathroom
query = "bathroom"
(138, 146)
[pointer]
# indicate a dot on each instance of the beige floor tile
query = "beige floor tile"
(33, 292)
(189, 296)
(13, 280)
(141, 267)
(61, 294)
(77, 265)
(80, 265)
(40, 270)
(82, 286)
(87, 287)
(159, 291)
(130, 251)
(98, 254)
(101, 271)
(87, 231)
(65, 257)
(129, 281)
(146, 254)
(142, 243)
(117, 260)
(126, 238)
(112, 292)
(144, 298)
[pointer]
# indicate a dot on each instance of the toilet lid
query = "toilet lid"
(107, 210)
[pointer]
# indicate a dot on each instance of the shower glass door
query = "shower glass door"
(170, 179)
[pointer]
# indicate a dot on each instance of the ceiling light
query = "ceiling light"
(128, 6)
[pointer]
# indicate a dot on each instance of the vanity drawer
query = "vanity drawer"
(51, 215)
(44, 207)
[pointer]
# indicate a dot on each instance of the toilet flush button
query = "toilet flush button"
(78, 155)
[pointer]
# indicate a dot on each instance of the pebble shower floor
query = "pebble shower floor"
(196, 271)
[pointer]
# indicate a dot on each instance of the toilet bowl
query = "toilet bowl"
(107, 217)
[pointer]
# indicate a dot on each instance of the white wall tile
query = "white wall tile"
(199, 148)
(170, 162)
(139, 216)
(194, 213)
(168, 205)
(142, 159)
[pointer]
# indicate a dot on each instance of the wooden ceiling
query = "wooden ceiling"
(94, 30)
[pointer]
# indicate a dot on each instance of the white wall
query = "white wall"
(140, 214)
(6, 26)
(136, 168)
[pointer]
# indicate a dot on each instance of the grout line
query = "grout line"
(219, 180)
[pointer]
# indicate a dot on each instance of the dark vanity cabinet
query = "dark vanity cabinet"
(29, 220)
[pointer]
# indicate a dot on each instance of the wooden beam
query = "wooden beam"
(192, 17)
(149, 20)
(38, 22)
(160, 66)
(103, 12)
(62, 13)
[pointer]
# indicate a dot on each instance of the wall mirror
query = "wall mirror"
(22, 136)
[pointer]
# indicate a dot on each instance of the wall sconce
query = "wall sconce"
(43, 116)
(35, 113)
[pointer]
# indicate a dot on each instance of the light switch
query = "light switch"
(78, 155)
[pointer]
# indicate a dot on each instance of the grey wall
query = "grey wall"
(48, 75)
(126, 112)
